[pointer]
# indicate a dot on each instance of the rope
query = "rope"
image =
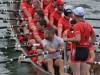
(21, 58)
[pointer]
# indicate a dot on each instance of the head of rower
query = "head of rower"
(79, 14)
(53, 3)
(36, 4)
(30, 1)
(68, 12)
(39, 14)
(41, 24)
(60, 6)
(49, 33)
(72, 23)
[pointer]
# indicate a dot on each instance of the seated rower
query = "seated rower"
(52, 43)
(39, 33)
(25, 6)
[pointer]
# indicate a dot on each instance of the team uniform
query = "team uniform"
(49, 10)
(55, 16)
(64, 23)
(80, 49)
(46, 2)
(25, 6)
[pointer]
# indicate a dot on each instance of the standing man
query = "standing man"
(81, 43)
(52, 43)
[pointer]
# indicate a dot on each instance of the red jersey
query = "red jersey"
(85, 30)
(55, 16)
(46, 2)
(64, 23)
(69, 34)
(25, 6)
(48, 10)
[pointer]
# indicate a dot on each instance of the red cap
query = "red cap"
(60, 2)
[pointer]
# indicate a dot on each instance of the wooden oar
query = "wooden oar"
(18, 46)
(14, 35)
(5, 19)
(23, 57)
(92, 19)
(13, 26)
(9, 2)
(6, 10)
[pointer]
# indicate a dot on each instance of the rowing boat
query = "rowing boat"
(39, 71)
(36, 68)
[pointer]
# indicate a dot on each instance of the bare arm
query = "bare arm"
(92, 40)
(92, 54)
(51, 23)
(77, 38)
(59, 32)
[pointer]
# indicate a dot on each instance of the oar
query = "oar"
(14, 35)
(6, 10)
(13, 26)
(23, 57)
(96, 27)
(10, 2)
(18, 46)
(5, 19)
(92, 19)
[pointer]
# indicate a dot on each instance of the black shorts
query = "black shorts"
(81, 54)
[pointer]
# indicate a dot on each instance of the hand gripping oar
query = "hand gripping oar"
(6, 10)
(13, 26)
(23, 57)
(92, 19)
(18, 46)
(9, 2)
(14, 35)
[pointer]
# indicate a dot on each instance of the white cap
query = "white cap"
(69, 8)
(79, 11)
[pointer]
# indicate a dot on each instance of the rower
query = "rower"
(46, 3)
(36, 5)
(81, 42)
(56, 15)
(25, 6)
(64, 22)
(49, 9)
(52, 43)
(38, 34)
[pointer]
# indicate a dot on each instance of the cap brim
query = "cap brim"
(62, 3)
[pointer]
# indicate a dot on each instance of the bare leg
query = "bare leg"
(32, 41)
(87, 69)
(40, 58)
(49, 63)
(82, 68)
(59, 62)
(76, 68)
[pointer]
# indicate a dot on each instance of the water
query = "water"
(91, 11)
